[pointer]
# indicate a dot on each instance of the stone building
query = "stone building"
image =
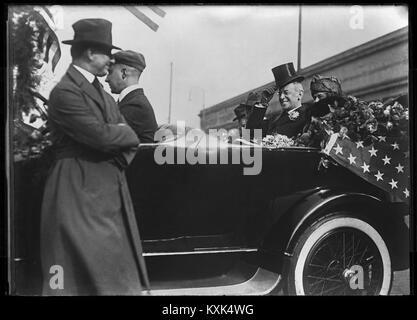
(377, 69)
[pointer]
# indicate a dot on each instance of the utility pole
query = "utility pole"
(204, 100)
(170, 93)
(299, 40)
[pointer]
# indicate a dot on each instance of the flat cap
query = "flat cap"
(130, 58)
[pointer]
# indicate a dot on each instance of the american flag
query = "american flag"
(385, 163)
(52, 49)
(144, 18)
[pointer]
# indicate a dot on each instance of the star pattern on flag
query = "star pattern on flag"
(338, 149)
(351, 159)
(399, 168)
(365, 167)
(385, 163)
(386, 160)
(395, 146)
(373, 151)
(393, 183)
(379, 176)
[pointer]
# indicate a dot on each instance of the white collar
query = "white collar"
(292, 110)
(87, 74)
(127, 90)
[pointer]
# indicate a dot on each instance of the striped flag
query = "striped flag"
(52, 49)
(144, 18)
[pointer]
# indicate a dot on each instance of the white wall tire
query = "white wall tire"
(313, 234)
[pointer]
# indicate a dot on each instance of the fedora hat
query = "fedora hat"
(94, 31)
(285, 74)
(242, 111)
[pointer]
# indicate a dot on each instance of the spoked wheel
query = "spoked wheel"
(340, 255)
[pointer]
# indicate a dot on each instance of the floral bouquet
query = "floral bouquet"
(361, 121)
(277, 141)
(366, 121)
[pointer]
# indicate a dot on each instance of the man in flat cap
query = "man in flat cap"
(90, 242)
(123, 79)
(294, 116)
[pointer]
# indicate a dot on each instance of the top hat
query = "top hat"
(242, 111)
(130, 58)
(285, 74)
(94, 31)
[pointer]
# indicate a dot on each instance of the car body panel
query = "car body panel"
(208, 223)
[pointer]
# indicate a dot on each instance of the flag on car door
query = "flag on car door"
(385, 163)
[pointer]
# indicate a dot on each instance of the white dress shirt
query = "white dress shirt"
(127, 90)
(87, 74)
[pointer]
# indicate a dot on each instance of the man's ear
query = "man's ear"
(301, 93)
(89, 54)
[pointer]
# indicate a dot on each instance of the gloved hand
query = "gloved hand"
(267, 94)
(253, 98)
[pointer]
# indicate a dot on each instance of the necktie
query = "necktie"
(97, 85)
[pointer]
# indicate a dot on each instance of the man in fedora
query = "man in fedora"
(294, 117)
(123, 79)
(90, 243)
(242, 112)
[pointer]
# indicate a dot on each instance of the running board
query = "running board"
(262, 282)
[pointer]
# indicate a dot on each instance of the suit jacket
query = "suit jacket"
(281, 124)
(139, 114)
(88, 225)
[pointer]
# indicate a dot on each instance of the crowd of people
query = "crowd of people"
(332, 111)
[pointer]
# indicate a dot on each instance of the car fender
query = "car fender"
(289, 225)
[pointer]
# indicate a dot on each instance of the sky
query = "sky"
(219, 52)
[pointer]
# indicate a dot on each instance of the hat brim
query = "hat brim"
(296, 78)
(72, 42)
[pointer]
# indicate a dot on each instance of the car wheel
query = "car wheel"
(340, 255)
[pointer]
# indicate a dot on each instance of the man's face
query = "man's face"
(290, 96)
(115, 78)
(100, 62)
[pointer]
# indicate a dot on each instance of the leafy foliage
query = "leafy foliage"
(26, 45)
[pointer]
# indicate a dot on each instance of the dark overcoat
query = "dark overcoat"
(281, 124)
(139, 114)
(88, 227)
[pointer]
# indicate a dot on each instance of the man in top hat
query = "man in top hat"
(294, 117)
(123, 79)
(90, 243)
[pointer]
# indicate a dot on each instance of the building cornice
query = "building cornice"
(389, 40)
